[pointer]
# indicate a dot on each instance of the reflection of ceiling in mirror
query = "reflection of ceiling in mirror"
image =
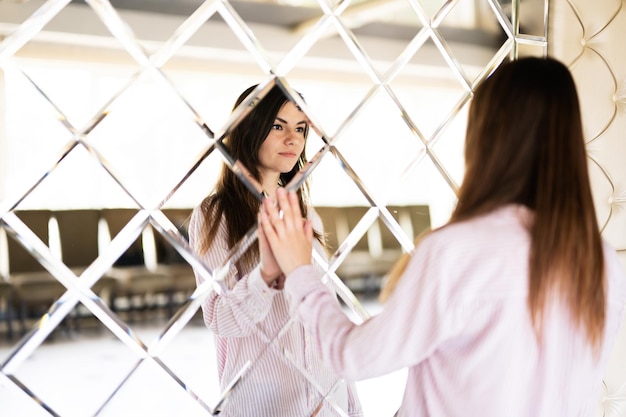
(468, 21)
(383, 27)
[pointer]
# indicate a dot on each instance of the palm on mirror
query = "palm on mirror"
(289, 236)
(270, 270)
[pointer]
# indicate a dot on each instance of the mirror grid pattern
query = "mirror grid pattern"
(80, 289)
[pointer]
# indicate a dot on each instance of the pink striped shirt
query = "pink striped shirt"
(244, 320)
(459, 322)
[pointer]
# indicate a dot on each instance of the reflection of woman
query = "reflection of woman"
(512, 308)
(270, 143)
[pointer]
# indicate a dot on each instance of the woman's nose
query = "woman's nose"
(291, 137)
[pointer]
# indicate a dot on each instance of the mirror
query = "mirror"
(112, 124)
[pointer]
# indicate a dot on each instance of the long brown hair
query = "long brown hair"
(231, 198)
(524, 145)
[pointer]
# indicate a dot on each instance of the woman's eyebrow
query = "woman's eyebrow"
(284, 121)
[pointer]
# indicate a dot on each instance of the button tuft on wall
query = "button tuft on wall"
(620, 97)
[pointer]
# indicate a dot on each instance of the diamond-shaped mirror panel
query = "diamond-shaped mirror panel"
(117, 124)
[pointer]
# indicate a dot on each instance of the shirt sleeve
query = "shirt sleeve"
(247, 300)
(414, 321)
(354, 405)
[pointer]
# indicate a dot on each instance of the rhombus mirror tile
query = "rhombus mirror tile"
(116, 127)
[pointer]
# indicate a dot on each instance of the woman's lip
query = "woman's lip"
(288, 154)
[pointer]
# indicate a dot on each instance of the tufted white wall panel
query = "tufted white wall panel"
(590, 36)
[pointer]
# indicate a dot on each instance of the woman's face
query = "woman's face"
(282, 147)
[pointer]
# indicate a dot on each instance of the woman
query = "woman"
(511, 309)
(270, 143)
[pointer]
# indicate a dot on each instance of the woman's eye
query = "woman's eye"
(277, 127)
(300, 129)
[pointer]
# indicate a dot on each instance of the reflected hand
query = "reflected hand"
(270, 271)
(289, 236)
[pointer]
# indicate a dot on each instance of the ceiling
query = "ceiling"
(469, 21)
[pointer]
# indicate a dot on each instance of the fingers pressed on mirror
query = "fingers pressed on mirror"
(269, 217)
(289, 208)
(289, 238)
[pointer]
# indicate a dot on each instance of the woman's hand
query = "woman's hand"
(289, 236)
(270, 271)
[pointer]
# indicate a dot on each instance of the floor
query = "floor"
(91, 372)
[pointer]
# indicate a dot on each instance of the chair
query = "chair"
(378, 249)
(338, 223)
(34, 288)
(413, 220)
(330, 217)
(78, 234)
(6, 305)
(135, 281)
(420, 219)
(169, 260)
